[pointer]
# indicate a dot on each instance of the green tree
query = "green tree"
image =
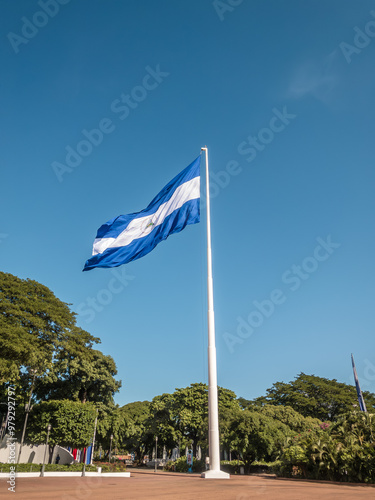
(288, 416)
(44, 353)
(33, 325)
(87, 375)
(112, 420)
(316, 397)
(246, 403)
(72, 423)
(181, 418)
(137, 415)
(255, 436)
(162, 423)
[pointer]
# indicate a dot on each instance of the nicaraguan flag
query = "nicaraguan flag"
(361, 401)
(129, 237)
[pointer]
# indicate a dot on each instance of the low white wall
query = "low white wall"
(65, 474)
(33, 454)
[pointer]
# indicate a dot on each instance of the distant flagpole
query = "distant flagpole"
(361, 401)
(213, 408)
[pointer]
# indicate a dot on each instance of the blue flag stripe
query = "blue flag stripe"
(114, 257)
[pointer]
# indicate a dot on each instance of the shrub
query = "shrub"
(343, 451)
(232, 467)
(180, 465)
(111, 467)
(262, 467)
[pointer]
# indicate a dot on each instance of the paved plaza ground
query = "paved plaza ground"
(145, 485)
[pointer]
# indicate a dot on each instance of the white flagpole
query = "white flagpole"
(213, 409)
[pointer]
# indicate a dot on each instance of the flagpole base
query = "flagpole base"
(215, 474)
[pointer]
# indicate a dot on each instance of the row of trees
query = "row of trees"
(305, 446)
(249, 430)
(53, 363)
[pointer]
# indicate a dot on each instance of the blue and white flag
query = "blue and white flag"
(129, 237)
(361, 401)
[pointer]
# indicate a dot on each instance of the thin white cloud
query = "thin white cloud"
(316, 79)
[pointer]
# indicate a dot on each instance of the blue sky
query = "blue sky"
(281, 93)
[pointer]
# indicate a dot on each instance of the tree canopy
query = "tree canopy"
(255, 436)
(288, 416)
(34, 325)
(72, 423)
(137, 415)
(316, 397)
(39, 335)
(44, 353)
(181, 418)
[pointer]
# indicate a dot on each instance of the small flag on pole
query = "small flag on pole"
(361, 401)
(130, 237)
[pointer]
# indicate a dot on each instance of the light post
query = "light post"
(110, 448)
(156, 453)
(45, 450)
(27, 410)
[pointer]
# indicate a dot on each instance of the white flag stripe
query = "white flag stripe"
(142, 226)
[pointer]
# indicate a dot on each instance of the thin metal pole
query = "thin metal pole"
(213, 411)
(45, 451)
(93, 439)
(110, 448)
(156, 453)
(26, 417)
